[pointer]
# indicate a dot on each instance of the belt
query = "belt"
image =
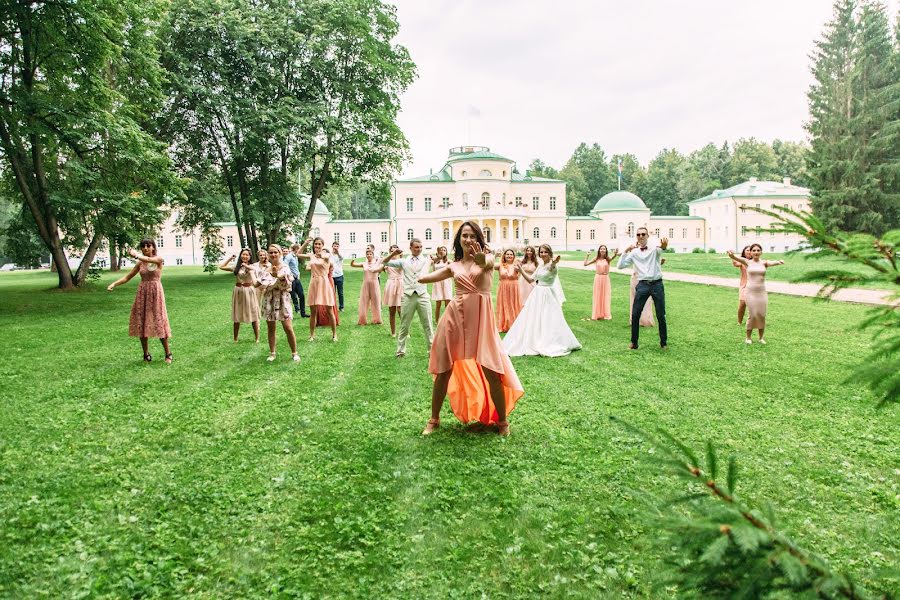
(243, 284)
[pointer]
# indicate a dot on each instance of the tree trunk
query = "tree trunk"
(87, 260)
(113, 256)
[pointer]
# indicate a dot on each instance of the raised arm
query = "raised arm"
(134, 271)
(523, 274)
(773, 263)
(353, 264)
(157, 260)
(224, 266)
(626, 260)
(737, 259)
(437, 275)
(589, 261)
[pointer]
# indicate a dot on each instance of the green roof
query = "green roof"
(442, 176)
(476, 155)
(619, 200)
(321, 209)
(582, 218)
(753, 188)
(519, 178)
(680, 218)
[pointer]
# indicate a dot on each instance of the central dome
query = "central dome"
(619, 200)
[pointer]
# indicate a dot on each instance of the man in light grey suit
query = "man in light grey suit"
(415, 294)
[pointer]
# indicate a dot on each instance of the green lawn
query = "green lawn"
(223, 476)
(719, 265)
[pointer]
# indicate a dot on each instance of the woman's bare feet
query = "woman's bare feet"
(503, 427)
(431, 426)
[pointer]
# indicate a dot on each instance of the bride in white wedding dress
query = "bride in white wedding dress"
(541, 327)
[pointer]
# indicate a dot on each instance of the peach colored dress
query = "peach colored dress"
(742, 288)
(602, 307)
(323, 310)
(393, 290)
(757, 297)
(467, 342)
(244, 298)
(320, 291)
(149, 317)
(508, 305)
(647, 314)
(369, 297)
(276, 300)
(442, 290)
(525, 287)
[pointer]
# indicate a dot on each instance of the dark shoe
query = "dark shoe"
(632, 347)
(665, 347)
(147, 358)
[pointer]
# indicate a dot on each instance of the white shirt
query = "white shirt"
(412, 267)
(646, 262)
(337, 262)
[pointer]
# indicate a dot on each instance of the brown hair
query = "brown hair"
(533, 258)
(458, 251)
(549, 249)
(607, 252)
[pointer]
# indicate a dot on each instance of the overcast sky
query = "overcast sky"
(534, 78)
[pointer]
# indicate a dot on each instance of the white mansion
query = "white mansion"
(516, 210)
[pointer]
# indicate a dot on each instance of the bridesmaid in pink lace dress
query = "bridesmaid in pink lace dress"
(393, 292)
(602, 305)
(148, 313)
(742, 287)
(757, 296)
(321, 288)
(369, 296)
(467, 360)
(442, 291)
(529, 265)
(276, 301)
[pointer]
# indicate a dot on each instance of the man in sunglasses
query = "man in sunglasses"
(646, 262)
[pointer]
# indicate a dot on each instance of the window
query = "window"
(352, 237)
(465, 199)
(786, 248)
(553, 233)
(593, 234)
(315, 232)
(771, 248)
(505, 233)
(552, 202)
(179, 261)
(698, 233)
(229, 241)
(384, 237)
(743, 230)
(684, 233)
(428, 204)
(504, 173)
(487, 234)
(577, 234)
(656, 232)
(409, 205)
(368, 237)
(757, 206)
(337, 238)
(464, 174)
(446, 233)
(485, 173)
(758, 230)
(178, 241)
(535, 203)
(772, 229)
(517, 233)
(743, 208)
(159, 241)
(445, 203)
(631, 230)
(518, 200)
(409, 234)
(612, 231)
(536, 234)
(428, 233)
(485, 201)
(671, 232)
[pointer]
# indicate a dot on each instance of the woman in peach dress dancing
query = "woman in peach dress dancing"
(149, 317)
(393, 292)
(742, 288)
(757, 297)
(508, 304)
(467, 359)
(602, 305)
(369, 297)
(529, 265)
(244, 299)
(442, 291)
(321, 290)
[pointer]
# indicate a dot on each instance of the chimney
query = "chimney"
(787, 181)
(431, 171)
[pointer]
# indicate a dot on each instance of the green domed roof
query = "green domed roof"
(619, 200)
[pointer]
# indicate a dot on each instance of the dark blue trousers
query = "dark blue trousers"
(643, 292)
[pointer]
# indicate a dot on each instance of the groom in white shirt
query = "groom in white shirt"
(415, 294)
(646, 263)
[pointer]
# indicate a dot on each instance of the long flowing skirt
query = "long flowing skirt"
(602, 306)
(541, 327)
(508, 305)
(149, 317)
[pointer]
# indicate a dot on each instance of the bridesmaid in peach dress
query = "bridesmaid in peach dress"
(393, 292)
(326, 311)
(244, 299)
(757, 296)
(321, 290)
(149, 317)
(467, 359)
(369, 297)
(529, 265)
(442, 291)
(508, 304)
(602, 305)
(742, 288)
(276, 303)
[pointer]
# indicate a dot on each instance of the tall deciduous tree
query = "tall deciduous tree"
(659, 190)
(78, 83)
(752, 158)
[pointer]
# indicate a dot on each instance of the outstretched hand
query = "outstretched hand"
(664, 243)
(133, 253)
(477, 253)
(556, 259)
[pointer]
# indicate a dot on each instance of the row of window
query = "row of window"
(758, 230)
(160, 241)
(774, 206)
(482, 173)
(485, 202)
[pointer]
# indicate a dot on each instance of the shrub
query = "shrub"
(698, 251)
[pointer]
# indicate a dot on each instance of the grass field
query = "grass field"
(224, 476)
(719, 265)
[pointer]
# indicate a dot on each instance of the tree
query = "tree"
(752, 158)
(578, 200)
(78, 84)
(659, 190)
(632, 172)
(791, 160)
(539, 169)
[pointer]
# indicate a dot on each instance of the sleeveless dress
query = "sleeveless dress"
(742, 287)
(525, 287)
(541, 327)
(149, 317)
(369, 297)
(602, 306)
(757, 297)
(323, 310)
(508, 305)
(276, 299)
(393, 290)
(647, 313)
(442, 290)
(244, 298)
(261, 271)
(466, 342)
(321, 290)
